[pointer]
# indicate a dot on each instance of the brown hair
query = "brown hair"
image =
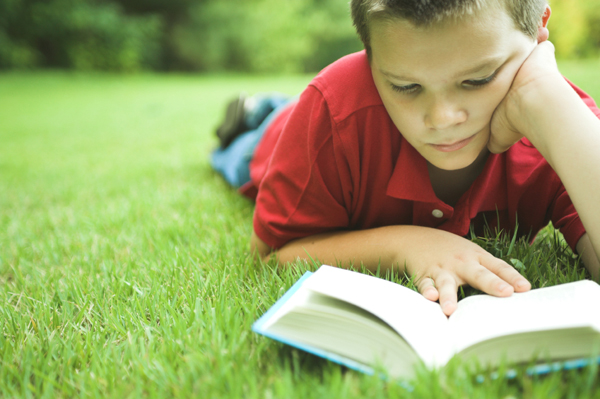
(526, 14)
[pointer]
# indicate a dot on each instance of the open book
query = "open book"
(364, 322)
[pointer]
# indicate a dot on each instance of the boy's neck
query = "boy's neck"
(450, 185)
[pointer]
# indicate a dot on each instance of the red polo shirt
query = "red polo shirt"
(335, 161)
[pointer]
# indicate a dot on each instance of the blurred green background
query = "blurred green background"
(263, 36)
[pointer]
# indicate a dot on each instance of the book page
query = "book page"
(419, 321)
(483, 317)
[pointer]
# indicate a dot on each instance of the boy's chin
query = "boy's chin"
(451, 166)
(458, 162)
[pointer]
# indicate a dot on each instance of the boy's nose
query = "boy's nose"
(444, 114)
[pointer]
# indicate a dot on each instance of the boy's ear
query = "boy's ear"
(546, 16)
(543, 32)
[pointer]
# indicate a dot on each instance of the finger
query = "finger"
(447, 287)
(506, 272)
(427, 288)
(482, 278)
(497, 146)
(502, 134)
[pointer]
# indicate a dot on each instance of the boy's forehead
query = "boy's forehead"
(464, 46)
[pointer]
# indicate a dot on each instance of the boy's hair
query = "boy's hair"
(526, 14)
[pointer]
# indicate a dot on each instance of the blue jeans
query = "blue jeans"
(233, 162)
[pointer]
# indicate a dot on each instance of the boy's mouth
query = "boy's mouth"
(457, 145)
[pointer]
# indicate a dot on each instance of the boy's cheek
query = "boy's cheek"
(382, 87)
(403, 113)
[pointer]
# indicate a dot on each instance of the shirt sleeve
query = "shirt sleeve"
(301, 192)
(589, 101)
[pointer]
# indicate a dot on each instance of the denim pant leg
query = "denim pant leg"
(233, 162)
(262, 106)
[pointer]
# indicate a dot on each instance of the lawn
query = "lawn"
(124, 260)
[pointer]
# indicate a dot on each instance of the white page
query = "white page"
(420, 322)
(482, 317)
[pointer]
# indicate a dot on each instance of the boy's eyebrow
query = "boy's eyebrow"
(487, 64)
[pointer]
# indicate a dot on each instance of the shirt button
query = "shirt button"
(437, 213)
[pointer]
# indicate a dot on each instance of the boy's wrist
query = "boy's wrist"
(537, 104)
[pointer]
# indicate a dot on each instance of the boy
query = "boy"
(454, 114)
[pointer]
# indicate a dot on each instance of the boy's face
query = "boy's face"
(441, 85)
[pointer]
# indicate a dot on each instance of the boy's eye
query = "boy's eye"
(408, 89)
(481, 82)
(474, 83)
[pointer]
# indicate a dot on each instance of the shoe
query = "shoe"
(234, 123)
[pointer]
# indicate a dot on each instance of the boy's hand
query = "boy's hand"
(441, 262)
(539, 69)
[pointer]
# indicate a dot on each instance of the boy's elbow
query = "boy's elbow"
(589, 257)
(259, 248)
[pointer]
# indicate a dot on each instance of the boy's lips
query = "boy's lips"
(453, 146)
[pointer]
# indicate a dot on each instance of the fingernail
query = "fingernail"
(504, 287)
(522, 284)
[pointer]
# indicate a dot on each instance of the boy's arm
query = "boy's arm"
(543, 107)
(588, 255)
(439, 261)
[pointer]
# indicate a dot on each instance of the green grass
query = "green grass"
(124, 260)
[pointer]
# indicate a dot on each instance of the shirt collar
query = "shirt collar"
(410, 178)
(410, 181)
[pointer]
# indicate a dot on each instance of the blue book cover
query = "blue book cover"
(258, 327)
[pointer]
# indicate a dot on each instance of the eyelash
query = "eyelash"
(483, 82)
(405, 89)
(414, 87)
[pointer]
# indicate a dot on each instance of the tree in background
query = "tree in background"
(266, 35)
(215, 35)
(575, 28)
(77, 34)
